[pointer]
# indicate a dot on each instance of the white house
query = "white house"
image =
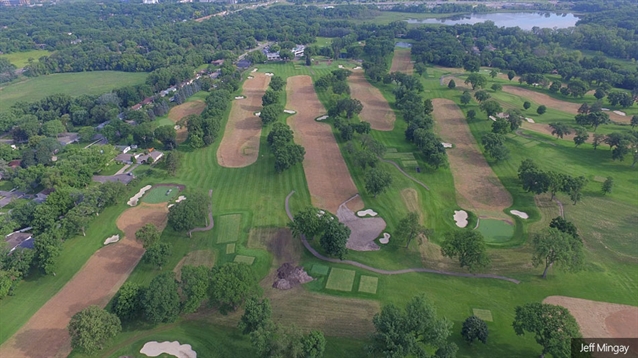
(298, 50)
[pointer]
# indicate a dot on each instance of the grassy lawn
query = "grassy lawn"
(340, 279)
(496, 230)
(368, 284)
(20, 59)
(73, 84)
(112, 168)
(228, 227)
(160, 194)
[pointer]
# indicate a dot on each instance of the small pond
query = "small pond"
(524, 20)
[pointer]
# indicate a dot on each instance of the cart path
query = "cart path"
(211, 223)
(387, 272)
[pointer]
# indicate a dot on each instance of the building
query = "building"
(18, 239)
(68, 138)
(298, 50)
(154, 156)
(15, 163)
(123, 148)
(43, 195)
(150, 1)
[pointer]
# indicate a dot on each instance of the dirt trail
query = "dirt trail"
(45, 335)
(402, 61)
(240, 145)
(329, 180)
(376, 109)
(477, 186)
(557, 104)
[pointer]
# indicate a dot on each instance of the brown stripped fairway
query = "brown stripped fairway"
(45, 335)
(402, 61)
(240, 145)
(182, 111)
(557, 104)
(329, 180)
(376, 109)
(477, 187)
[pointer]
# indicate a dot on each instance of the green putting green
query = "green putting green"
(160, 194)
(496, 231)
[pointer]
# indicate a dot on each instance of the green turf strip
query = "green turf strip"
(228, 228)
(320, 269)
(340, 280)
(248, 260)
(368, 284)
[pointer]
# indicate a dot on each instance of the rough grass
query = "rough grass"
(248, 260)
(73, 84)
(368, 284)
(340, 279)
(318, 269)
(158, 194)
(228, 228)
(485, 315)
(496, 230)
(230, 249)
(20, 59)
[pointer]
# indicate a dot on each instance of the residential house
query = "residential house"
(43, 195)
(15, 163)
(123, 148)
(217, 62)
(298, 50)
(68, 138)
(154, 155)
(18, 239)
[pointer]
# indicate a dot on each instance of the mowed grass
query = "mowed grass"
(73, 84)
(496, 231)
(20, 59)
(368, 284)
(228, 228)
(485, 315)
(340, 280)
(243, 259)
(160, 194)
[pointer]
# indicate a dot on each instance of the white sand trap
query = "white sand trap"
(254, 70)
(385, 239)
(154, 349)
(620, 113)
(446, 145)
(135, 198)
(258, 114)
(170, 206)
(370, 212)
(321, 118)
(240, 97)
(520, 214)
(357, 68)
(177, 127)
(269, 74)
(529, 120)
(180, 198)
(112, 239)
(289, 111)
(340, 66)
(460, 216)
(250, 77)
(492, 118)
(605, 109)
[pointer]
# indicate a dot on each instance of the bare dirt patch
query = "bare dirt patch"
(376, 109)
(600, 319)
(553, 103)
(240, 145)
(402, 61)
(45, 334)
(329, 180)
(184, 110)
(477, 187)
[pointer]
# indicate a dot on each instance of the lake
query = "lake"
(524, 20)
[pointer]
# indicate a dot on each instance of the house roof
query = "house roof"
(124, 157)
(15, 163)
(19, 239)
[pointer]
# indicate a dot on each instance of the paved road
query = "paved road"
(387, 272)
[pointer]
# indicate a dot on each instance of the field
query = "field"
(158, 194)
(240, 145)
(183, 110)
(20, 59)
(402, 61)
(73, 84)
(112, 264)
(478, 188)
(375, 108)
(328, 177)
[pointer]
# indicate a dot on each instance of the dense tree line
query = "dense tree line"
(286, 152)
(537, 181)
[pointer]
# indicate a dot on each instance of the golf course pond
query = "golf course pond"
(524, 20)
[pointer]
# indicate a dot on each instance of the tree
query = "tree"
(468, 247)
(565, 226)
(6, 283)
(598, 139)
(466, 97)
(497, 87)
(491, 108)
(482, 96)
(160, 301)
(541, 109)
(574, 186)
(286, 156)
(270, 113)
(559, 129)
(279, 134)
(553, 327)
(256, 316)
(451, 84)
(554, 247)
(409, 228)
(634, 121)
(600, 93)
(173, 162)
(48, 247)
(148, 235)
(471, 114)
(307, 222)
(269, 97)
(493, 73)
(608, 185)
(581, 136)
(474, 328)
(127, 303)
(555, 87)
(377, 181)
(53, 128)
(495, 147)
(194, 281)
(167, 135)
(511, 74)
(277, 83)
(187, 214)
(514, 118)
(157, 254)
(583, 109)
(334, 239)
(91, 328)
(231, 284)
(410, 331)
(314, 344)
(476, 80)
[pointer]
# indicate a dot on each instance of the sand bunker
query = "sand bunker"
(620, 113)
(340, 66)
(605, 109)
(269, 74)
(376, 109)
(446, 145)
(493, 118)
(363, 231)
(135, 198)
(289, 111)
(529, 120)
(154, 349)
(321, 118)
(385, 239)
(254, 70)
(600, 319)
(250, 77)
(112, 239)
(240, 97)
(362, 213)
(460, 217)
(180, 198)
(520, 214)
(357, 68)
(239, 146)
